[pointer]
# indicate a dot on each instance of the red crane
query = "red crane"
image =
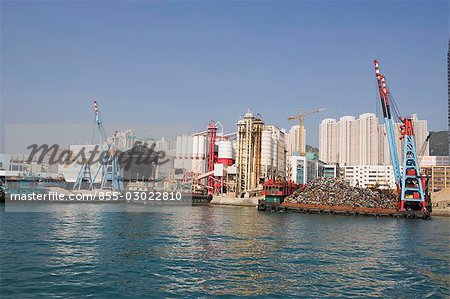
(212, 131)
(410, 184)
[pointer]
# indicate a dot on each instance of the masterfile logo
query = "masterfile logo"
(140, 154)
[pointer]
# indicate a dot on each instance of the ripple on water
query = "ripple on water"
(211, 251)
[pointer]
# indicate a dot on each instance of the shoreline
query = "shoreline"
(225, 200)
(441, 212)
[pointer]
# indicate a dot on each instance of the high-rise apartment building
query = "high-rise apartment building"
(328, 138)
(421, 133)
(347, 140)
(123, 139)
(383, 146)
(367, 126)
(292, 140)
(363, 141)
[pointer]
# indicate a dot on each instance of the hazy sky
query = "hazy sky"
(191, 62)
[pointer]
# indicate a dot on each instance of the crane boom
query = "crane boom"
(411, 185)
(388, 122)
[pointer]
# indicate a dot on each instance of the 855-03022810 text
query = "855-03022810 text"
(99, 196)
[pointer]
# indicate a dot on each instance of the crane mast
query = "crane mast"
(84, 175)
(110, 168)
(112, 173)
(410, 185)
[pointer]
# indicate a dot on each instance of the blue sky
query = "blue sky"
(190, 62)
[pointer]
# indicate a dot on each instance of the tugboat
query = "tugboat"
(275, 191)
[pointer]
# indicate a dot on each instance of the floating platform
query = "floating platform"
(340, 210)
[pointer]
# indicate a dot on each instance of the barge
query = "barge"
(275, 192)
(340, 210)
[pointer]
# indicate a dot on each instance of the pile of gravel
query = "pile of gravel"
(337, 192)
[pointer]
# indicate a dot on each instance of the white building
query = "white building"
(123, 139)
(4, 161)
(160, 144)
(428, 161)
(421, 133)
(273, 152)
(363, 141)
(330, 171)
(383, 146)
(367, 125)
(303, 170)
(293, 138)
(370, 176)
(328, 139)
(419, 128)
(346, 142)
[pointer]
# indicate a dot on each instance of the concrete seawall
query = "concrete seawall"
(441, 212)
(441, 203)
(233, 201)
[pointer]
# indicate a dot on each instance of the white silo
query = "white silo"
(189, 146)
(178, 154)
(234, 149)
(225, 154)
(176, 163)
(266, 153)
(184, 149)
(266, 148)
(189, 153)
(195, 147)
(202, 147)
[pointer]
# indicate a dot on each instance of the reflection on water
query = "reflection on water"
(210, 251)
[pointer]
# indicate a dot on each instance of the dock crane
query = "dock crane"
(411, 186)
(300, 117)
(109, 163)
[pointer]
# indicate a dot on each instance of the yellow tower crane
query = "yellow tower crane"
(300, 116)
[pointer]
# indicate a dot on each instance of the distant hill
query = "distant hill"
(439, 143)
